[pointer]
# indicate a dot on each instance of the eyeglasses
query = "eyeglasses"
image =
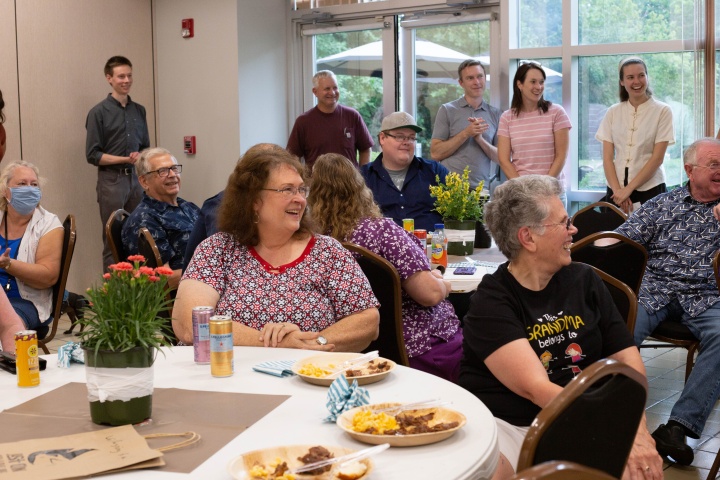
(529, 62)
(291, 191)
(713, 166)
(567, 223)
(402, 138)
(165, 171)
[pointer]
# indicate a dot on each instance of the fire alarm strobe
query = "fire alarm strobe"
(189, 145)
(188, 28)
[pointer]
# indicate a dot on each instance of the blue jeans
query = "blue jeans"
(702, 387)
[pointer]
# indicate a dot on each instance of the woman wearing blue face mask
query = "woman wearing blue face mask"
(30, 251)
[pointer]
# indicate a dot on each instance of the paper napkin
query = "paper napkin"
(70, 352)
(343, 396)
(279, 368)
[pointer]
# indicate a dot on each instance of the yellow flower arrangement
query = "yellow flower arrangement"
(454, 199)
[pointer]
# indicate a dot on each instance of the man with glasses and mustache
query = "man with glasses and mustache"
(682, 236)
(400, 180)
(169, 218)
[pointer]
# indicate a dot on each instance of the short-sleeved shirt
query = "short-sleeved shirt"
(570, 324)
(342, 131)
(408, 256)
(681, 237)
(451, 119)
(634, 134)
(413, 200)
(169, 225)
(324, 285)
(532, 138)
(115, 130)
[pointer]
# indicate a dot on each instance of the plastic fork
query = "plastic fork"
(353, 362)
(435, 402)
(343, 459)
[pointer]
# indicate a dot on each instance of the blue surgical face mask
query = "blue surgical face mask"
(25, 199)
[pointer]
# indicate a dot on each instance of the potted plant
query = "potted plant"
(122, 335)
(461, 209)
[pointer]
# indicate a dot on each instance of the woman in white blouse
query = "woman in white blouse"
(635, 134)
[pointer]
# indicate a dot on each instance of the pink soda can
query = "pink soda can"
(201, 333)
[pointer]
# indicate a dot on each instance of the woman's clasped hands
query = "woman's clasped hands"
(289, 335)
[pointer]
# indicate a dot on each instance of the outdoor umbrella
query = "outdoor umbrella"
(434, 63)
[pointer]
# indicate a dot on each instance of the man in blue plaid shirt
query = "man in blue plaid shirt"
(680, 233)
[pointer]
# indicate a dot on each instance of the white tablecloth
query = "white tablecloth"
(472, 453)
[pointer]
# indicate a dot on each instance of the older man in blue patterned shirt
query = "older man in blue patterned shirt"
(168, 217)
(680, 233)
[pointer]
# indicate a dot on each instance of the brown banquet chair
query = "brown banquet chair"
(47, 332)
(592, 421)
(597, 217)
(561, 470)
(385, 283)
(113, 233)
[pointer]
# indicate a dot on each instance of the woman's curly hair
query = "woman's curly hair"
(237, 215)
(339, 198)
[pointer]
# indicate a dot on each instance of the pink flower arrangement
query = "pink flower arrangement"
(126, 308)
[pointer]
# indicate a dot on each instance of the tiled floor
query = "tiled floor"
(666, 373)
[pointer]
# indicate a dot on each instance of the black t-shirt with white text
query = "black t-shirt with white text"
(570, 324)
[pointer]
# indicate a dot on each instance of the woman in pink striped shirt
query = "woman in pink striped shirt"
(534, 135)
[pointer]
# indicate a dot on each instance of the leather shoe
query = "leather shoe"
(670, 442)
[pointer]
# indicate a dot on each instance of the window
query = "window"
(540, 23)
(598, 90)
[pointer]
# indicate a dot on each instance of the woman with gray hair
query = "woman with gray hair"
(511, 361)
(30, 251)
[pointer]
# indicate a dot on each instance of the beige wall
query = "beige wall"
(197, 91)
(227, 86)
(61, 50)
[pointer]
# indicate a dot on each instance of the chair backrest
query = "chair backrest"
(58, 290)
(597, 414)
(561, 470)
(624, 260)
(385, 283)
(113, 233)
(148, 249)
(624, 298)
(597, 217)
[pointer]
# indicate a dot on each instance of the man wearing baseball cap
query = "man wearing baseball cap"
(400, 180)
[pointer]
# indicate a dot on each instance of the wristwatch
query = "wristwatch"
(321, 340)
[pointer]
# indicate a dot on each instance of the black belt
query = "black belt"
(126, 169)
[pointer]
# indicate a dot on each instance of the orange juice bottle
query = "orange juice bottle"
(438, 255)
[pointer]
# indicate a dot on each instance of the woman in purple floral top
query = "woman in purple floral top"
(282, 285)
(343, 207)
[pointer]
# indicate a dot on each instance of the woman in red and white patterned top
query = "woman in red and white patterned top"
(282, 285)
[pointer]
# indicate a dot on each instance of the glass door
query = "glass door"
(430, 76)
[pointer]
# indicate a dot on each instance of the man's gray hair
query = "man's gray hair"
(519, 202)
(142, 166)
(690, 155)
(322, 74)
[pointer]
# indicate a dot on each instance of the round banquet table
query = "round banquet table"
(472, 453)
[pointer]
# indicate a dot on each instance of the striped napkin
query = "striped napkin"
(279, 368)
(343, 396)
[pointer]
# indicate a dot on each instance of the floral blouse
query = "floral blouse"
(321, 287)
(405, 251)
